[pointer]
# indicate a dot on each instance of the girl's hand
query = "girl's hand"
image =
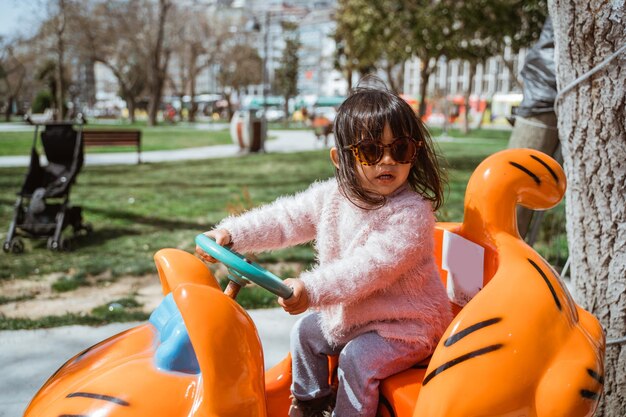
(299, 300)
(221, 237)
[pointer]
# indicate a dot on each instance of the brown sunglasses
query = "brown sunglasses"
(368, 152)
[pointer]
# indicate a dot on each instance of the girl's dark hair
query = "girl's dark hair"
(363, 115)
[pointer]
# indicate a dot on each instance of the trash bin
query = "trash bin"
(257, 129)
(248, 130)
(237, 130)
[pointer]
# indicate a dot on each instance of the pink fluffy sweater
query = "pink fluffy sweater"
(375, 269)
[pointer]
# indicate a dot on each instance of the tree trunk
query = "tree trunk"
(515, 79)
(9, 109)
(424, 77)
(60, 73)
(286, 110)
(159, 60)
(193, 106)
(400, 77)
(130, 103)
(14, 74)
(392, 83)
(466, 99)
(228, 97)
(592, 130)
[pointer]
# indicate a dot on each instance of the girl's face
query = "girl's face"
(386, 176)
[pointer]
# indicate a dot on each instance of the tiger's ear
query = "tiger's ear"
(176, 267)
(228, 350)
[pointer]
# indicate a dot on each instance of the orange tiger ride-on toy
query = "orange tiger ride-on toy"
(519, 346)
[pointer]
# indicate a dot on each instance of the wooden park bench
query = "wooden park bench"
(113, 137)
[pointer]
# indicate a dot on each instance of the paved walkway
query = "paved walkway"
(280, 141)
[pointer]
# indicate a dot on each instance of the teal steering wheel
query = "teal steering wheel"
(241, 268)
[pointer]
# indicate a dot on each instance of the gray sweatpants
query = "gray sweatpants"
(363, 362)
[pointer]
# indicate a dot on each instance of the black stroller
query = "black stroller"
(42, 208)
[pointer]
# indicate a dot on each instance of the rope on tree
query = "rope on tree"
(586, 75)
(617, 341)
(569, 87)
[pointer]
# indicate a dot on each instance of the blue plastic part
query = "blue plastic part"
(235, 276)
(174, 353)
(248, 269)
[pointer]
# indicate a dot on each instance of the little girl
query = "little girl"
(376, 295)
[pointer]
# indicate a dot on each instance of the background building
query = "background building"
(260, 24)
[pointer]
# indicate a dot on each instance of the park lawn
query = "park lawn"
(179, 136)
(165, 137)
(136, 210)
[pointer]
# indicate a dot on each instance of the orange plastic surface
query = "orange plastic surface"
(178, 267)
(117, 377)
(520, 347)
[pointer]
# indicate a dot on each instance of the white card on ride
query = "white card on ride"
(464, 261)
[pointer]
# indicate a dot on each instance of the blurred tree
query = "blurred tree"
(132, 83)
(59, 22)
(52, 38)
(357, 36)
(60, 39)
(158, 55)
(12, 75)
(183, 45)
(287, 73)
(483, 29)
(200, 36)
(393, 40)
(521, 28)
(383, 34)
(240, 66)
(592, 131)
(428, 23)
(46, 74)
(123, 25)
(372, 35)
(43, 100)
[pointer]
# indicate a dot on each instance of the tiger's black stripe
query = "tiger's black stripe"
(527, 171)
(460, 359)
(114, 400)
(545, 278)
(471, 329)
(590, 395)
(595, 376)
(385, 403)
(550, 170)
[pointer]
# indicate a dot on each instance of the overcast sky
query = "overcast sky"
(20, 16)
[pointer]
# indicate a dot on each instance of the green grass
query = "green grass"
(121, 310)
(6, 300)
(65, 283)
(99, 316)
(136, 210)
(165, 137)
